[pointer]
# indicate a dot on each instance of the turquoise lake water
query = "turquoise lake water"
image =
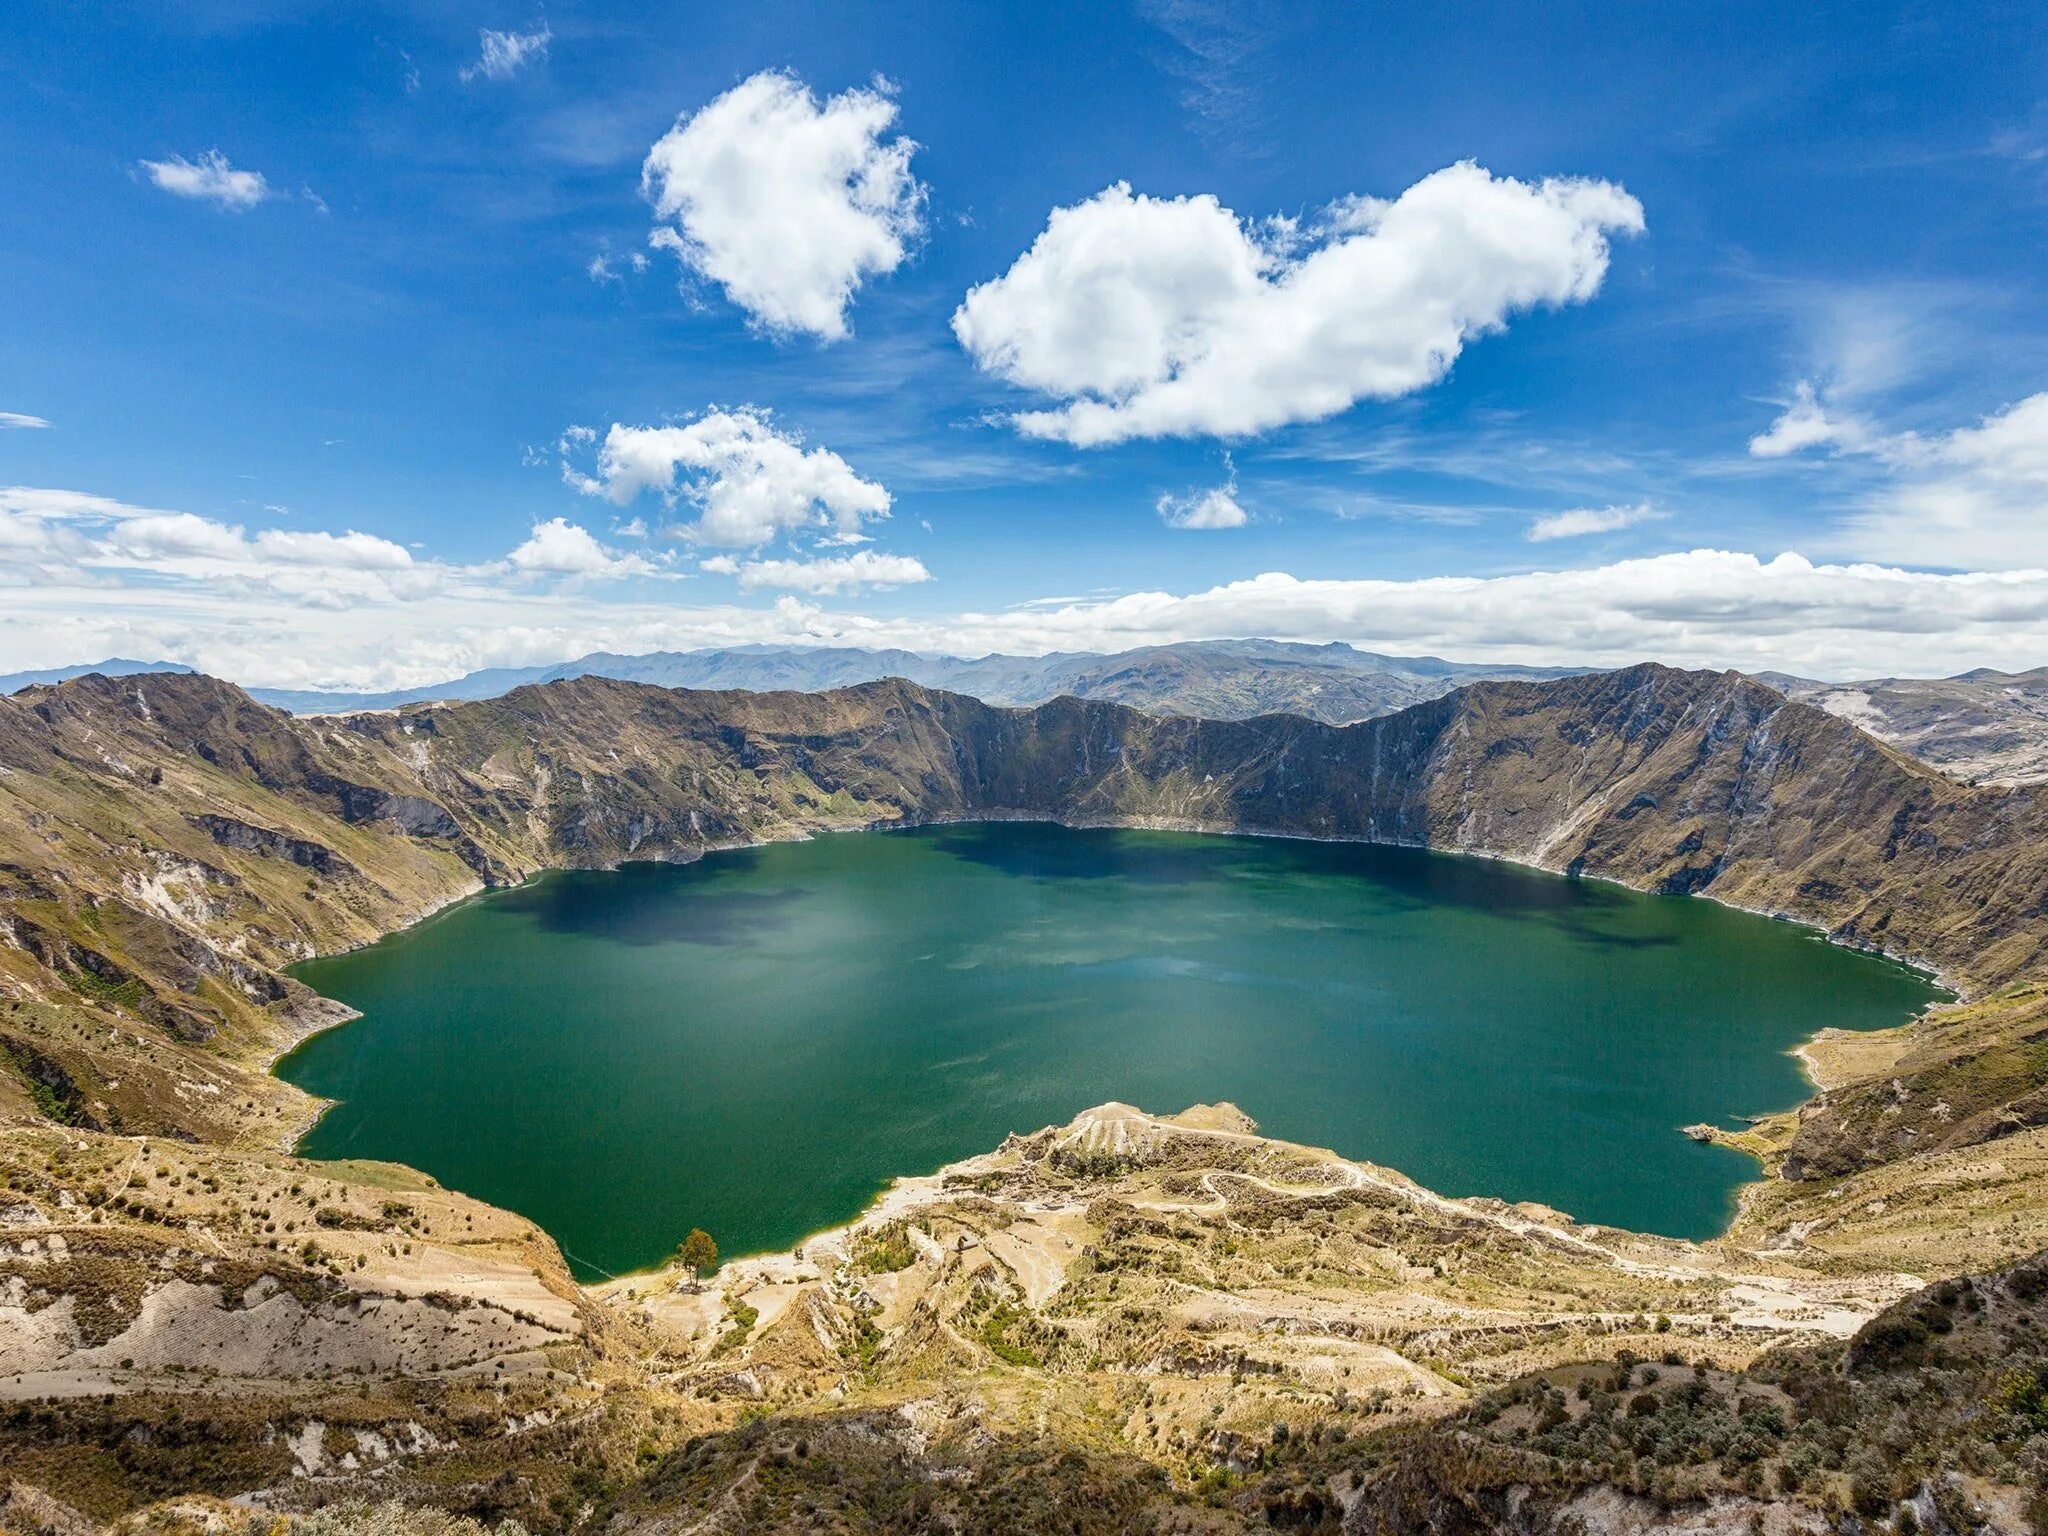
(756, 1043)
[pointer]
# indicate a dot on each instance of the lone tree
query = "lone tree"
(698, 1252)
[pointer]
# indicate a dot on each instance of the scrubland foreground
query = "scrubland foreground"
(1128, 1323)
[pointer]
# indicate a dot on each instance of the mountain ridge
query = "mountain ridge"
(113, 666)
(1982, 726)
(1219, 678)
(1978, 726)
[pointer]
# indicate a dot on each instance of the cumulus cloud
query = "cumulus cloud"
(61, 539)
(68, 543)
(558, 547)
(841, 573)
(501, 55)
(38, 533)
(1171, 317)
(17, 420)
(44, 530)
(747, 481)
(1580, 521)
(209, 179)
(1974, 496)
(786, 204)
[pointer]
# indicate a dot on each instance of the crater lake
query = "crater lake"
(758, 1042)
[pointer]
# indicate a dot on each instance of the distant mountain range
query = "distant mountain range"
(113, 666)
(1215, 679)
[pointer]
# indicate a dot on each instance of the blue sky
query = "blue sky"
(1738, 305)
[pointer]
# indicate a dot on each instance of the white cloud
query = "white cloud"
(1972, 497)
(842, 573)
(1976, 496)
(1213, 508)
(209, 178)
(67, 539)
(171, 538)
(1216, 507)
(1170, 317)
(1580, 521)
(19, 421)
(785, 204)
(605, 268)
(332, 551)
(42, 530)
(747, 481)
(559, 547)
(61, 505)
(1807, 423)
(501, 55)
(1711, 608)
(71, 542)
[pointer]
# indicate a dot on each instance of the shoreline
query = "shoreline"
(1802, 1053)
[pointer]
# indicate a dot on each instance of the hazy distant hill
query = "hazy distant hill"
(1984, 725)
(1215, 679)
(115, 666)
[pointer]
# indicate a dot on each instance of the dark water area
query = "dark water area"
(756, 1043)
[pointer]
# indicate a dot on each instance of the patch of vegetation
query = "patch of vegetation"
(885, 1250)
(865, 1347)
(47, 1104)
(50, 1088)
(339, 1218)
(1953, 1380)
(122, 992)
(743, 1319)
(995, 1336)
(853, 1471)
(1077, 1164)
(697, 1252)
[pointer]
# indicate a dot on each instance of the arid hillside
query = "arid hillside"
(1983, 727)
(167, 846)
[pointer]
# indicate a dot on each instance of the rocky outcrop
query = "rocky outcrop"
(230, 833)
(413, 815)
